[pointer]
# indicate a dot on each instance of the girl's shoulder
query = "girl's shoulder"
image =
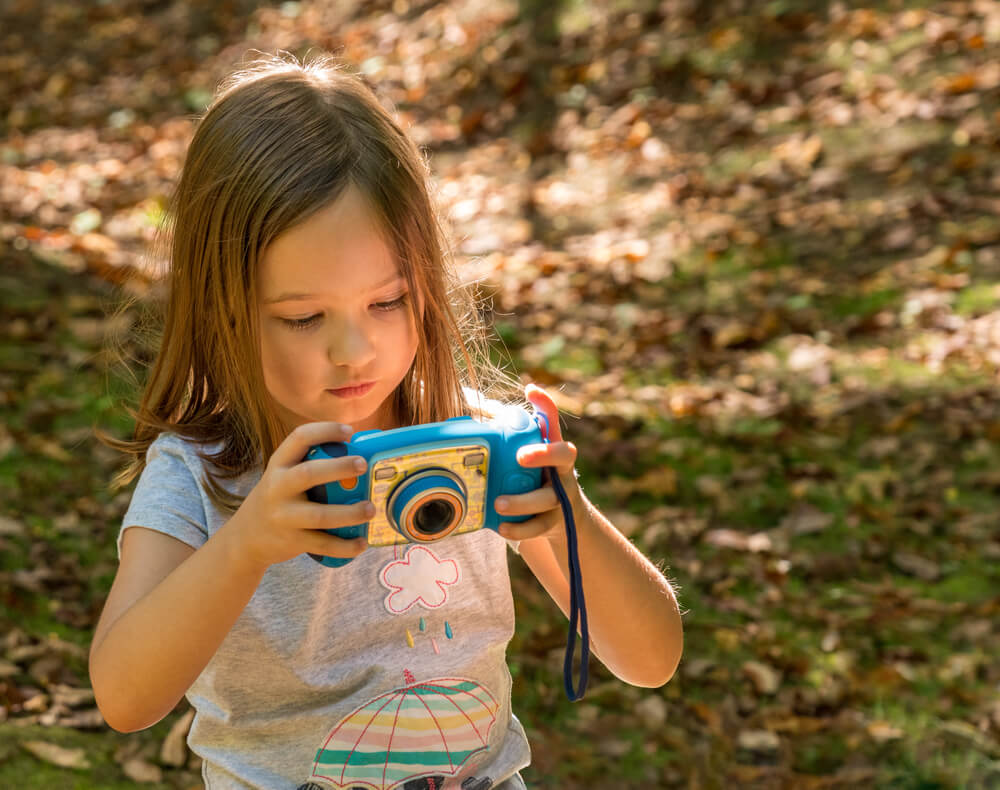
(175, 442)
(193, 453)
(192, 462)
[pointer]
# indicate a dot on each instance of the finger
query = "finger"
(543, 402)
(561, 455)
(537, 501)
(532, 528)
(332, 546)
(295, 446)
(320, 471)
(314, 516)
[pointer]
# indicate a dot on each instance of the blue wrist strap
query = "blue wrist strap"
(577, 604)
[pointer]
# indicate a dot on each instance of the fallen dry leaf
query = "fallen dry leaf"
(138, 770)
(740, 541)
(174, 750)
(760, 741)
(918, 566)
(765, 679)
(58, 755)
(883, 731)
(806, 520)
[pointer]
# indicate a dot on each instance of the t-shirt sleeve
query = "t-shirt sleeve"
(167, 497)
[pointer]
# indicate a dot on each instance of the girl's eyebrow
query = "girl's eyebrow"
(293, 297)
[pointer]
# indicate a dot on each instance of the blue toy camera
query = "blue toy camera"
(434, 480)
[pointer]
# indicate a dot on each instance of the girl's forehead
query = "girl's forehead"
(340, 245)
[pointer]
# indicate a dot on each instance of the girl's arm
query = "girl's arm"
(633, 617)
(169, 609)
(171, 606)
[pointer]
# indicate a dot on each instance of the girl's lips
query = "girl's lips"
(353, 392)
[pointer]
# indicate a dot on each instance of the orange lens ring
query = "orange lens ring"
(410, 511)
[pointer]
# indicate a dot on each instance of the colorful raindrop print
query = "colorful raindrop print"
(423, 729)
(447, 630)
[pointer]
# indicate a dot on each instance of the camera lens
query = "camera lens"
(434, 516)
(427, 505)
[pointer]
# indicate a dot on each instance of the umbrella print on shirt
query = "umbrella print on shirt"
(424, 729)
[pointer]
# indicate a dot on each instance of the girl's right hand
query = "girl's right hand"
(278, 522)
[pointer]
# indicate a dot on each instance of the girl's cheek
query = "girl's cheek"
(289, 351)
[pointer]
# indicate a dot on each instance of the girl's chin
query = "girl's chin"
(359, 415)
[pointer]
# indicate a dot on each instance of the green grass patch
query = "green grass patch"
(925, 756)
(971, 582)
(864, 305)
(820, 754)
(977, 299)
(22, 770)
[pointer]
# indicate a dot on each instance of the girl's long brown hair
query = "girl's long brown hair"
(280, 140)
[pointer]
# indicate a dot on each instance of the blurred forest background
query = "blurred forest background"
(753, 246)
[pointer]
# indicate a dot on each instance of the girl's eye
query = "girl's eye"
(301, 323)
(312, 320)
(395, 304)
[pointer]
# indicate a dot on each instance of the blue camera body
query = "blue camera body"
(434, 480)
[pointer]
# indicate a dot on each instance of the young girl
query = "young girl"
(310, 297)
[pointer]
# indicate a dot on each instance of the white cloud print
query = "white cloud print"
(419, 578)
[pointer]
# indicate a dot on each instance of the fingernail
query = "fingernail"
(369, 509)
(502, 503)
(360, 464)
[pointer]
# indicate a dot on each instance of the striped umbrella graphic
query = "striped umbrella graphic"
(428, 728)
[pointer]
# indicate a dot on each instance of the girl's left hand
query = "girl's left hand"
(542, 503)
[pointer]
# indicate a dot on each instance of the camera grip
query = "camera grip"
(521, 482)
(332, 450)
(319, 494)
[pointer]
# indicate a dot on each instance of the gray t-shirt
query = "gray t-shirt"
(388, 672)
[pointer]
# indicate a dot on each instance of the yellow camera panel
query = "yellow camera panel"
(468, 462)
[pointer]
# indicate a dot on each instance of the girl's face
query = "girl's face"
(337, 335)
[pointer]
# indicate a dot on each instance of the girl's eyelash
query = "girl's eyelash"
(395, 304)
(382, 307)
(301, 323)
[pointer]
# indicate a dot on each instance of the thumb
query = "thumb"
(543, 403)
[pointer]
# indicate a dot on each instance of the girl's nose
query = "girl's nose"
(350, 346)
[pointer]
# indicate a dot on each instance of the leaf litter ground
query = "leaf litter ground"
(754, 249)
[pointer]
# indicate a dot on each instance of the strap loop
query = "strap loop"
(577, 604)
